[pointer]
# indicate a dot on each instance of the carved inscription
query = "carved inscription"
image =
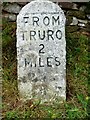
(42, 35)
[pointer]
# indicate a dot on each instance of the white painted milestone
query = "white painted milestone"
(41, 51)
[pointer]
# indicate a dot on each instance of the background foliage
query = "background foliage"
(76, 105)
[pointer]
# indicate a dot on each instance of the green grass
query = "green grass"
(77, 80)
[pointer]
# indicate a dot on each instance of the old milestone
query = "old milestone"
(41, 52)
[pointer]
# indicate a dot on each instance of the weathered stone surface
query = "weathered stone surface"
(87, 29)
(69, 20)
(88, 16)
(82, 8)
(10, 17)
(82, 21)
(75, 6)
(68, 5)
(74, 21)
(12, 8)
(41, 51)
(81, 24)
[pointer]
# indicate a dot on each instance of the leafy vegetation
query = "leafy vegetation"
(77, 80)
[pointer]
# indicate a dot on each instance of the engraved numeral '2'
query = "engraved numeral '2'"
(42, 47)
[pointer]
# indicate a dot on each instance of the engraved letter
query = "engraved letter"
(35, 20)
(32, 35)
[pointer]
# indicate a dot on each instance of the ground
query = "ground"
(76, 105)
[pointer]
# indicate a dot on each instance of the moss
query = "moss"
(8, 32)
(87, 10)
(70, 29)
(9, 50)
(77, 62)
(78, 14)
